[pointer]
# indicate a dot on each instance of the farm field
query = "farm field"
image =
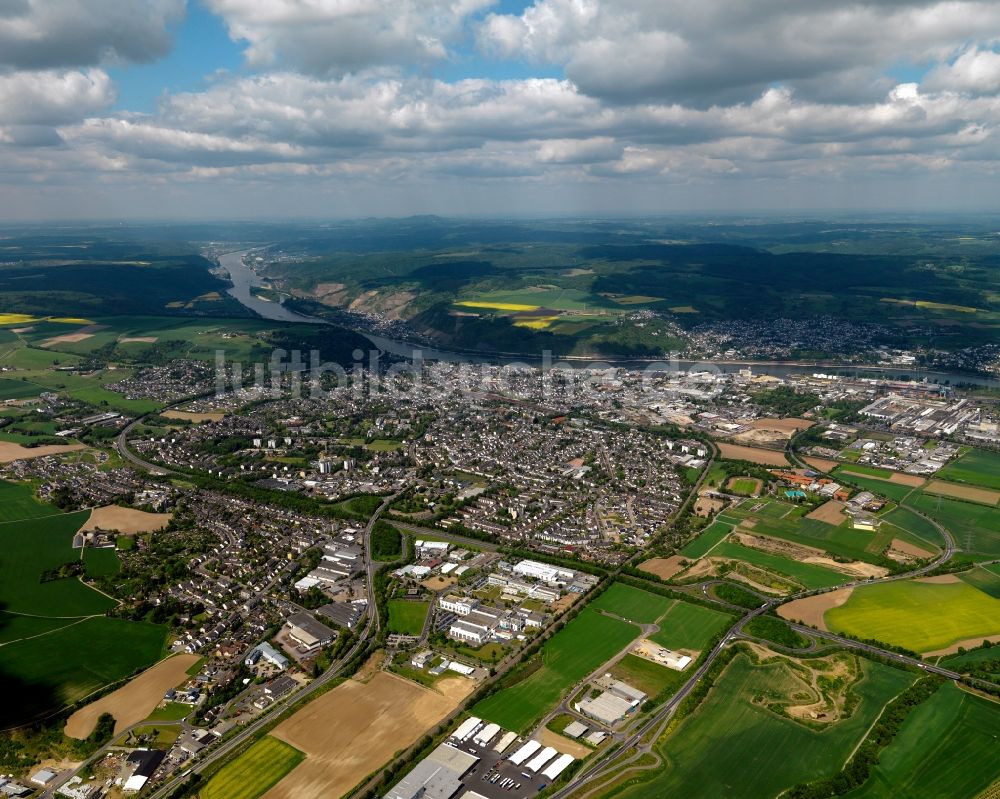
(985, 578)
(808, 575)
(977, 467)
(922, 616)
(125, 520)
(17, 501)
(65, 665)
(690, 627)
(253, 772)
(100, 562)
(885, 488)
(767, 457)
(374, 720)
(135, 700)
(709, 538)
(731, 746)
(976, 528)
(632, 604)
(946, 747)
(407, 617)
(784, 520)
(985, 496)
(919, 529)
(15, 628)
(29, 548)
(575, 651)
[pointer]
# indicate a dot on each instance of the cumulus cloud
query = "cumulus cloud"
(52, 97)
(44, 34)
(975, 71)
(335, 37)
(717, 51)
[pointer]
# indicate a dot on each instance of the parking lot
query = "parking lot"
(491, 763)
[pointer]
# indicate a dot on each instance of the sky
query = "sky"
(248, 109)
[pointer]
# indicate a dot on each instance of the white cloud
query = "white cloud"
(51, 97)
(718, 51)
(42, 34)
(335, 37)
(975, 71)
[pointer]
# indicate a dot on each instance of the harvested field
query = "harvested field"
(125, 520)
(985, 496)
(15, 452)
(197, 418)
(831, 512)
(812, 609)
(906, 548)
(777, 546)
(68, 338)
(134, 701)
(138, 340)
(561, 743)
(822, 464)
(789, 425)
(940, 579)
(706, 506)
(665, 568)
(913, 480)
(753, 454)
(968, 643)
(373, 721)
(856, 568)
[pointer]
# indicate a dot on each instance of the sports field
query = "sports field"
(254, 771)
(691, 627)
(947, 747)
(976, 528)
(570, 655)
(921, 616)
(977, 467)
(406, 617)
(632, 604)
(733, 747)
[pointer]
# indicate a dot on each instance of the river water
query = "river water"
(244, 279)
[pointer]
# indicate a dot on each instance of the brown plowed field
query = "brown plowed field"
(768, 457)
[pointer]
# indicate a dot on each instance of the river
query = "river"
(244, 279)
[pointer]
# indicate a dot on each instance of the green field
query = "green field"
(650, 678)
(894, 491)
(18, 389)
(744, 486)
(101, 562)
(977, 467)
(632, 604)
(407, 617)
(947, 747)
(976, 528)
(919, 529)
(171, 711)
(690, 626)
(255, 771)
(709, 537)
(808, 574)
(31, 547)
(731, 747)
(15, 628)
(570, 655)
(63, 666)
(17, 501)
(920, 616)
(985, 578)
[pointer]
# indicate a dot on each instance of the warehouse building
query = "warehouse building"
(437, 776)
(307, 632)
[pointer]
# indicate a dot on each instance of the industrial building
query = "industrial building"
(343, 614)
(437, 776)
(307, 632)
